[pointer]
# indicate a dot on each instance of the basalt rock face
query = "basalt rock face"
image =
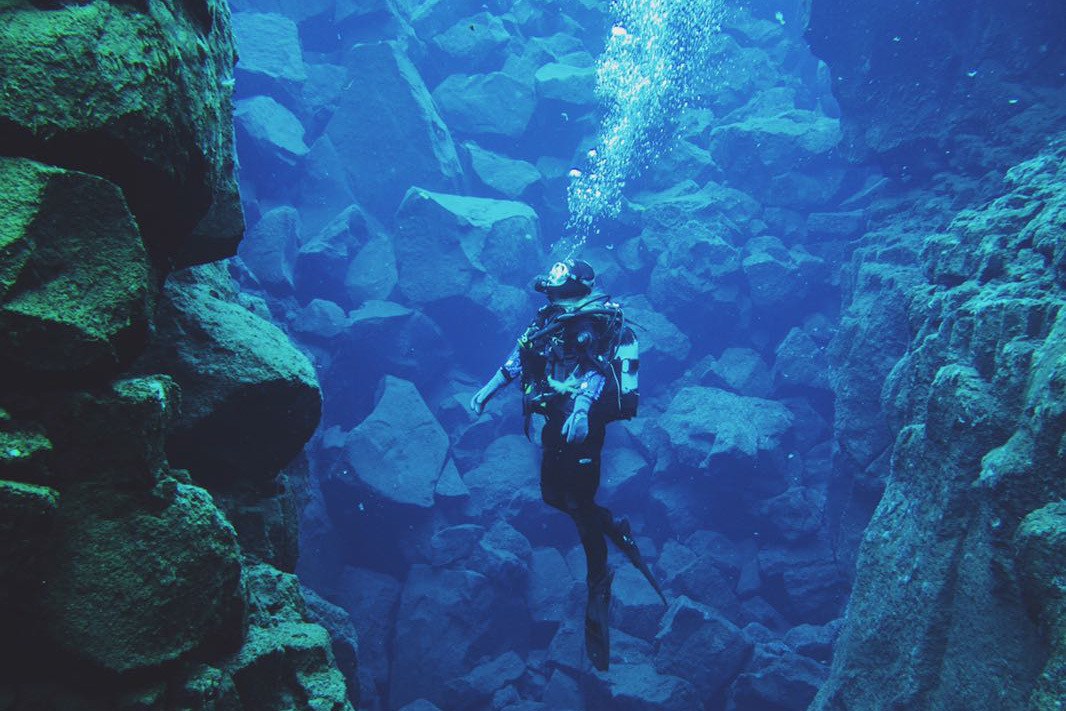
(955, 562)
(925, 86)
(135, 572)
(140, 97)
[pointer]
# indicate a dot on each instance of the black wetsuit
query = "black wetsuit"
(569, 479)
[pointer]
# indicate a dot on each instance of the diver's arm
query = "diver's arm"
(510, 370)
(589, 387)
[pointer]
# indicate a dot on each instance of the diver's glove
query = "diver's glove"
(482, 396)
(576, 427)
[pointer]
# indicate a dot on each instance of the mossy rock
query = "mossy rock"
(1041, 542)
(250, 399)
(114, 434)
(138, 93)
(74, 274)
(286, 661)
(137, 582)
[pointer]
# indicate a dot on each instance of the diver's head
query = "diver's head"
(568, 279)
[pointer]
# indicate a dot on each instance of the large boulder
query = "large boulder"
(151, 583)
(505, 175)
(136, 94)
(506, 478)
(284, 656)
(271, 137)
(242, 382)
(268, 47)
(74, 280)
(466, 615)
(495, 104)
(270, 248)
(703, 424)
(387, 130)
(398, 452)
(475, 251)
(697, 644)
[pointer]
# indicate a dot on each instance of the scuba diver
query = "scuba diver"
(577, 365)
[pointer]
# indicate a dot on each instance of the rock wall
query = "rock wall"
(953, 563)
(951, 321)
(144, 415)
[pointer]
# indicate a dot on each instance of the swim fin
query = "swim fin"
(597, 622)
(622, 537)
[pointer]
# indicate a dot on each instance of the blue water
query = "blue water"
(407, 170)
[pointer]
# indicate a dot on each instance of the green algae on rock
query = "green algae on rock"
(138, 96)
(74, 275)
(153, 580)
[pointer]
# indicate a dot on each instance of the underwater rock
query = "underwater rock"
(275, 137)
(270, 248)
(494, 104)
(371, 275)
(777, 678)
(787, 158)
(704, 423)
(466, 616)
(383, 338)
(474, 690)
(322, 186)
(370, 599)
(345, 640)
(976, 403)
(27, 519)
(801, 362)
(448, 245)
(138, 95)
(505, 175)
(284, 656)
(268, 47)
(320, 320)
(398, 452)
(814, 641)
(566, 83)
(1041, 541)
(639, 687)
(553, 594)
(697, 644)
(795, 514)
(475, 42)
(431, 18)
(152, 582)
(322, 263)
(506, 477)
(387, 130)
(780, 279)
(242, 381)
(636, 608)
(74, 281)
(741, 370)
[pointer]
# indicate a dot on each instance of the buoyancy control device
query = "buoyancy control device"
(595, 332)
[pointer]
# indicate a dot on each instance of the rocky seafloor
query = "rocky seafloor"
(847, 278)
